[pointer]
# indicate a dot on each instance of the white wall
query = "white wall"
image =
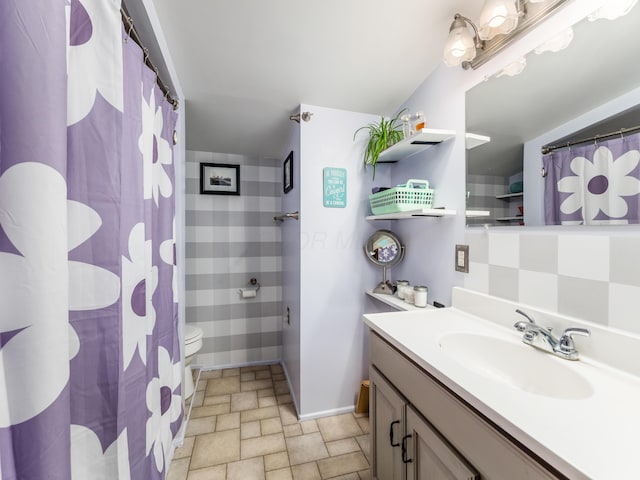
(334, 270)
(290, 235)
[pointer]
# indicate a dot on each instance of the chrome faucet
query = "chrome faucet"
(542, 338)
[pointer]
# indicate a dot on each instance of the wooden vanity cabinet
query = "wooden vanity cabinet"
(437, 435)
(404, 444)
(388, 427)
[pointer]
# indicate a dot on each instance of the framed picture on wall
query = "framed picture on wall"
(287, 173)
(219, 179)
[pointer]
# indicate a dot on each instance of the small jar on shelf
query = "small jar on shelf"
(419, 123)
(406, 125)
(402, 285)
(420, 296)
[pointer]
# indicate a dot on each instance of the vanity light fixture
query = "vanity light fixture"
(501, 21)
(498, 17)
(461, 45)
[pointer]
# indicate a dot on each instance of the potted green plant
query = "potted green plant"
(381, 136)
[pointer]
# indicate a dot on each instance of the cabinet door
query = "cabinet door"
(387, 411)
(428, 456)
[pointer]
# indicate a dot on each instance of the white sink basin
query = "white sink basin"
(516, 364)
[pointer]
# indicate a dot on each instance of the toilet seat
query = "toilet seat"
(192, 340)
(192, 333)
(192, 344)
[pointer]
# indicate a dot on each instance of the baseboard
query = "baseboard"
(302, 418)
(327, 413)
(208, 368)
(291, 390)
(313, 415)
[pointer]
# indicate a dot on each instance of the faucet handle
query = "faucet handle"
(525, 315)
(521, 325)
(566, 340)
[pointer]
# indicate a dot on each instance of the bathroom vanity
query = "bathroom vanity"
(455, 395)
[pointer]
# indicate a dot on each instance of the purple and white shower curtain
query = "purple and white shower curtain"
(90, 365)
(594, 184)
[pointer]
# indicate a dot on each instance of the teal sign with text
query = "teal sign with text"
(335, 187)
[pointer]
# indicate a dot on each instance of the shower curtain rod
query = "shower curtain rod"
(133, 34)
(550, 148)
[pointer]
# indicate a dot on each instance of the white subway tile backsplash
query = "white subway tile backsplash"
(503, 282)
(584, 256)
(624, 307)
(584, 298)
(539, 289)
(539, 253)
(478, 277)
(504, 250)
(567, 272)
(478, 246)
(625, 260)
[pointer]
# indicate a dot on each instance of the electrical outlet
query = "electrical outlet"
(462, 258)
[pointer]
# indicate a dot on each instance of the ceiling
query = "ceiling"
(246, 65)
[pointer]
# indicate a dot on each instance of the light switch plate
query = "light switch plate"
(462, 258)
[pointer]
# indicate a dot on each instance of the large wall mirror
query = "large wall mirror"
(590, 87)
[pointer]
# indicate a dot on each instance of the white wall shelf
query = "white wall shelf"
(510, 219)
(422, 212)
(427, 138)
(473, 140)
(477, 213)
(395, 302)
(509, 195)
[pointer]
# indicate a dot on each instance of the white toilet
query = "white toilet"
(192, 344)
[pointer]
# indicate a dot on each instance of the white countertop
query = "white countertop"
(596, 436)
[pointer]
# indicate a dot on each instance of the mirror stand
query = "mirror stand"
(385, 286)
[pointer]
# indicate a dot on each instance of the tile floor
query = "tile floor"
(243, 426)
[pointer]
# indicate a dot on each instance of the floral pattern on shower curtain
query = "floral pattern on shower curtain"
(90, 366)
(596, 183)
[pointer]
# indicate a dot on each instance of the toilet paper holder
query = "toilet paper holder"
(251, 290)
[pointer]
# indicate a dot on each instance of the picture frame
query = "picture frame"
(219, 179)
(287, 173)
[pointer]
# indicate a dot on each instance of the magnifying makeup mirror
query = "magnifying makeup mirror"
(385, 250)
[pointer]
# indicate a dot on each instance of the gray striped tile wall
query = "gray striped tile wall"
(482, 196)
(230, 239)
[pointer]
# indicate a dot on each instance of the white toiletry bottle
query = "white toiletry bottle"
(420, 296)
(402, 288)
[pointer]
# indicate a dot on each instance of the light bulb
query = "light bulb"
(498, 17)
(459, 47)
